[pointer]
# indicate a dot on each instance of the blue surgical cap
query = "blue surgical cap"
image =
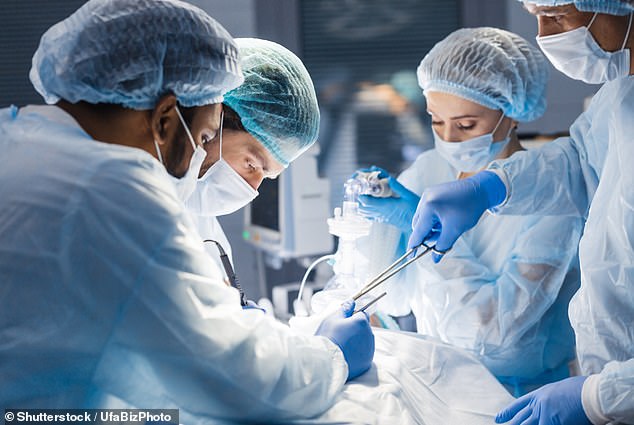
(610, 7)
(491, 67)
(276, 103)
(132, 52)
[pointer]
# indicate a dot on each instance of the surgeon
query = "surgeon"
(268, 121)
(108, 298)
(503, 291)
(588, 174)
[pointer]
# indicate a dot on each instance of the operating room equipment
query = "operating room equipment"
(365, 307)
(288, 219)
(351, 262)
(348, 225)
(398, 265)
(372, 181)
(298, 307)
(231, 275)
(349, 266)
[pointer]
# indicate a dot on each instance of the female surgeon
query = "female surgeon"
(502, 292)
(267, 122)
(588, 174)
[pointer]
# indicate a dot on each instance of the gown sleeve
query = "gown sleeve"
(178, 336)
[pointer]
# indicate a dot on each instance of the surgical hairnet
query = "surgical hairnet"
(276, 103)
(491, 67)
(132, 52)
(611, 7)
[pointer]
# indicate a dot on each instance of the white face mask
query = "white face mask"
(186, 185)
(221, 190)
(473, 154)
(577, 54)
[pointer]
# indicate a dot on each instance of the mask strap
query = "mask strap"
(158, 152)
(592, 20)
(498, 124)
(189, 134)
(222, 120)
(627, 35)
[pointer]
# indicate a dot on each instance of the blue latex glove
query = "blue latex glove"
(397, 211)
(252, 305)
(448, 210)
(353, 335)
(558, 403)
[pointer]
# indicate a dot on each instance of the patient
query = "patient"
(502, 292)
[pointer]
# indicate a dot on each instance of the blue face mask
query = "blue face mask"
(473, 154)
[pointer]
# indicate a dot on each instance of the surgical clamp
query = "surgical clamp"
(370, 303)
(394, 268)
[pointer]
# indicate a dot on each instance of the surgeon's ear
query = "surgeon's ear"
(164, 119)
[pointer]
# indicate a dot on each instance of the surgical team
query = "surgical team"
(157, 122)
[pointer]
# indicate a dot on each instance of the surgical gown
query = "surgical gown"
(108, 299)
(590, 174)
(209, 228)
(502, 292)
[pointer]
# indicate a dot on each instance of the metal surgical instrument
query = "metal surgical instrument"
(370, 303)
(396, 267)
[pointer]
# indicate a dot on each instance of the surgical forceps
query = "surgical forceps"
(394, 268)
(370, 303)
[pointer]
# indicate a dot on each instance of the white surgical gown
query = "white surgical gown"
(209, 228)
(502, 292)
(590, 173)
(108, 299)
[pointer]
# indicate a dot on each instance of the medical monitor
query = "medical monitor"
(288, 218)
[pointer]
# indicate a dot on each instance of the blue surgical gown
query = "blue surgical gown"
(108, 299)
(590, 174)
(502, 292)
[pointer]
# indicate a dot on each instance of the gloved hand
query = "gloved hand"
(353, 335)
(252, 305)
(397, 211)
(558, 403)
(448, 210)
(382, 173)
